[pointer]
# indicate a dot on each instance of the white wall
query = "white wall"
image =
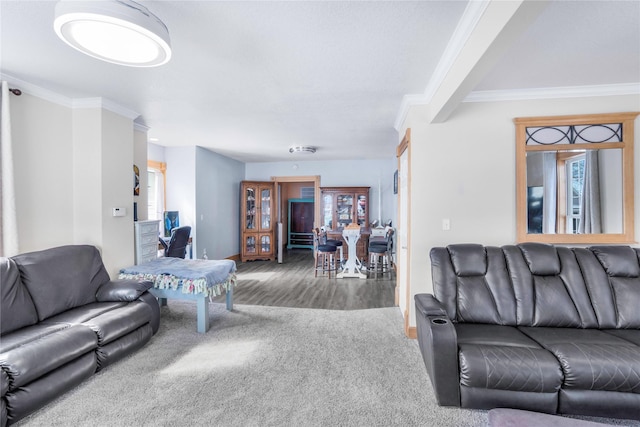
(43, 167)
(377, 174)
(87, 176)
(464, 170)
(140, 160)
(181, 189)
(72, 166)
(117, 191)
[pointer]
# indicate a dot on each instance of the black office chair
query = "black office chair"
(177, 246)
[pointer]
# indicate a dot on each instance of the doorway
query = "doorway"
(295, 189)
(300, 223)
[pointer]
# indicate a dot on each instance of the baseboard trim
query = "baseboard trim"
(409, 331)
(412, 333)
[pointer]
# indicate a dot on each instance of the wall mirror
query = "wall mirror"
(574, 179)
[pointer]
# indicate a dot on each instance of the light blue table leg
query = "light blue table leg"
(230, 298)
(203, 314)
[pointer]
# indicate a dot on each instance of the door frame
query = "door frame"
(305, 178)
(405, 145)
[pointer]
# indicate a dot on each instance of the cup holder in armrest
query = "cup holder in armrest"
(440, 321)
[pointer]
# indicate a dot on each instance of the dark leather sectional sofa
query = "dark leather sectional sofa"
(534, 326)
(61, 320)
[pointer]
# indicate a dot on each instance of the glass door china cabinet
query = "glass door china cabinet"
(342, 206)
(256, 221)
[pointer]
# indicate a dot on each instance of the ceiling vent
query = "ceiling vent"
(300, 149)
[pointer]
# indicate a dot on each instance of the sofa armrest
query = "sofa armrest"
(428, 305)
(122, 290)
(439, 347)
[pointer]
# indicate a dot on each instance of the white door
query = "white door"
(403, 236)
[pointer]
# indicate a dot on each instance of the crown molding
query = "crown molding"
(105, 104)
(38, 91)
(137, 126)
(65, 101)
(408, 101)
(554, 93)
(470, 17)
(468, 22)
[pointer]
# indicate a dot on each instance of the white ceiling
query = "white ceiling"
(250, 79)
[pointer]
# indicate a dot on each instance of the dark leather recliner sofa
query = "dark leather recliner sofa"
(534, 326)
(61, 320)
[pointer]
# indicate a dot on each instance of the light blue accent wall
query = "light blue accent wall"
(155, 152)
(205, 188)
(218, 204)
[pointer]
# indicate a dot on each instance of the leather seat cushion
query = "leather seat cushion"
(28, 334)
(33, 359)
(509, 368)
(547, 336)
(4, 384)
(117, 323)
(599, 367)
(84, 313)
(477, 333)
(631, 335)
(592, 359)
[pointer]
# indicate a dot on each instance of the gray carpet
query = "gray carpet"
(264, 366)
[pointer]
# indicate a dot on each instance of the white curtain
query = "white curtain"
(550, 199)
(590, 217)
(9, 225)
(159, 195)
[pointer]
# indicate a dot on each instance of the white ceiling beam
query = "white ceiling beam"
(499, 26)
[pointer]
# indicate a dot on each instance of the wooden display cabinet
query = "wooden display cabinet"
(257, 226)
(341, 206)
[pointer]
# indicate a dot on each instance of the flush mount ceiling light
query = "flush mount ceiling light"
(118, 31)
(309, 150)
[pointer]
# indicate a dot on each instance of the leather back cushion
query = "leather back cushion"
(16, 307)
(549, 286)
(482, 292)
(62, 278)
(622, 268)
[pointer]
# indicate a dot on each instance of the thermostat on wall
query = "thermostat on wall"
(119, 211)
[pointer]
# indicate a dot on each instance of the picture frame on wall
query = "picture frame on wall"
(171, 221)
(136, 180)
(395, 182)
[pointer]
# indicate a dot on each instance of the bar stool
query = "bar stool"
(380, 254)
(338, 245)
(324, 254)
(378, 260)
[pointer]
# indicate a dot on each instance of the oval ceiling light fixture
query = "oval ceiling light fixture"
(119, 31)
(300, 149)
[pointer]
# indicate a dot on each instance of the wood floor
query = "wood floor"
(292, 284)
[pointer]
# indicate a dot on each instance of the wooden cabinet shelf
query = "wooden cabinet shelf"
(256, 221)
(341, 206)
